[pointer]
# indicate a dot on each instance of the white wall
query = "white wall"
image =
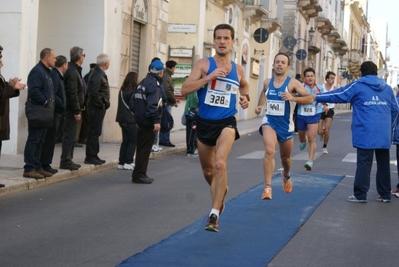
(16, 18)
(95, 26)
(64, 24)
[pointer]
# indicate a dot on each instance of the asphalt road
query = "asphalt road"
(103, 218)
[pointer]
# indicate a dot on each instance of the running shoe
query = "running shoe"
(155, 149)
(212, 224)
(120, 167)
(395, 192)
(309, 165)
(302, 145)
(267, 192)
(287, 183)
(384, 200)
(356, 200)
(223, 205)
(325, 150)
(128, 166)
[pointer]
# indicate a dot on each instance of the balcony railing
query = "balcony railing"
(253, 2)
(230, 2)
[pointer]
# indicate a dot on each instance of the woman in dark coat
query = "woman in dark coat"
(7, 90)
(125, 118)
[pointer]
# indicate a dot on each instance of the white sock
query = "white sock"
(214, 211)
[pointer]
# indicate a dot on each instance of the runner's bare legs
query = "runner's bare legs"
(285, 154)
(328, 122)
(269, 140)
(214, 161)
(311, 134)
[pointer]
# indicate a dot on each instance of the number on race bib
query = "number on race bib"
(308, 110)
(218, 99)
(275, 107)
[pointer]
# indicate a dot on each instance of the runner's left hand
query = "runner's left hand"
(244, 102)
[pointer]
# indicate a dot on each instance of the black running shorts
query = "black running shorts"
(330, 114)
(208, 131)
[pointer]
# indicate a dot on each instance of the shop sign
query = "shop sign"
(140, 11)
(182, 71)
(180, 27)
(178, 52)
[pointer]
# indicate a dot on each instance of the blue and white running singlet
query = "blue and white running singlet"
(217, 99)
(279, 112)
(315, 107)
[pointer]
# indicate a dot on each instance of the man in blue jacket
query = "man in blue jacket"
(40, 92)
(395, 141)
(375, 110)
(147, 106)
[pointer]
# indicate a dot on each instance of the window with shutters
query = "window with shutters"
(135, 55)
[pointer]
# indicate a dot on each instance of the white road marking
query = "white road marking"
(305, 156)
(350, 157)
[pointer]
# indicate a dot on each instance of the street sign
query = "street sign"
(301, 54)
(261, 35)
(289, 42)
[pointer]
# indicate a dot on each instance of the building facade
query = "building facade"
(131, 32)
(324, 34)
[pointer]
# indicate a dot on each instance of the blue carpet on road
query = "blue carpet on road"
(251, 231)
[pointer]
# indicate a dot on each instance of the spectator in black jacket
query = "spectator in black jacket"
(147, 109)
(125, 118)
(57, 76)
(40, 92)
(7, 90)
(167, 84)
(74, 92)
(83, 130)
(97, 104)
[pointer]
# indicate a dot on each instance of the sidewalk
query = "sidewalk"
(11, 166)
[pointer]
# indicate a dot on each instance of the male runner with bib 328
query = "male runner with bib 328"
(280, 94)
(219, 83)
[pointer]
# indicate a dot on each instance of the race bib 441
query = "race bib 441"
(275, 107)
